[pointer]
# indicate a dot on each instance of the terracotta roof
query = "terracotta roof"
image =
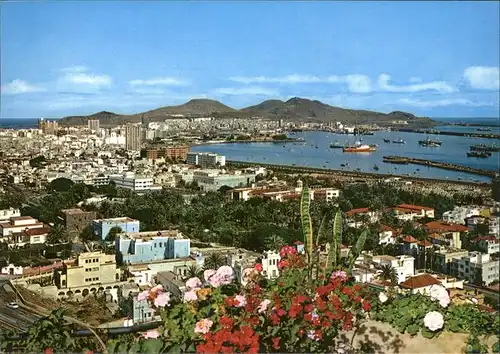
(38, 231)
(419, 281)
(424, 243)
(441, 226)
(291, 196)
(265, 190)
(414, 207)
(409, 239)
(357, 211)
(486, 238)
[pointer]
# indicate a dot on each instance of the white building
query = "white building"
(19, 224)
(403, 265)
(387, 235)
(476, 268)
(136, 183)
(6, 214)
(408, 212)
(460, 213)
(270, 264)
(488, 244)
(205, 159)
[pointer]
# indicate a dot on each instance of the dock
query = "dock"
(438, 132)
(438, 164)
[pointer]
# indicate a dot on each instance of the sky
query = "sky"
(435, 59)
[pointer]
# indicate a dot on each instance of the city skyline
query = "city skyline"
(62, 59)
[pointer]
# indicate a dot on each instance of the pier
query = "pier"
(341, 173)
(438, 132)
(437, 164)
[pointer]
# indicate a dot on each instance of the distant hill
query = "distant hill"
(297, 109)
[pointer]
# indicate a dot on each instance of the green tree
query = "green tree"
(57, 234)
(111, 236)
(193, 271)
(388, 273)
(274, 242)
(61, 185)
(214, 260)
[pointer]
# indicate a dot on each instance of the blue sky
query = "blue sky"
(431, 58)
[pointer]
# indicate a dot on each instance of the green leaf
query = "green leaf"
(122, 347)
(135, 348)
(305, 217)
(152, 346)
(428, 334)
(413, 329)
(496, 347)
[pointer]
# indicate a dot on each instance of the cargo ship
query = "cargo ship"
(360, 148)
(399, 141)
(429, 142)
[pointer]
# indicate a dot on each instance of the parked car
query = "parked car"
(13, 305)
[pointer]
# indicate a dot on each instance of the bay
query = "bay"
(315, 152)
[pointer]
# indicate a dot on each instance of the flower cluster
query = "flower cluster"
(155, 295)
(222, 276)
(440, 294)
(287, 250)
(434, 321)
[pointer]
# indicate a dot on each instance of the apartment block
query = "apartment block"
(133, 137)
(91, 270)
(135, 183)
(205, 160)
(443, 258)
(145, 247)
(460, 213)
(488, 244)
(403, 265)
(170, 152)
(93, 125)
(101, 227)
(212, 180)
(476, 268)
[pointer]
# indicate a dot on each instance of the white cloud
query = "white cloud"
(79, 75)
(439, 86)
(18, 86)
(165, 81)
(443, 103)
(483, 77)
(415, 80)
(358, 83)
(250, 90)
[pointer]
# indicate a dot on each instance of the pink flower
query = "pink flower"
(313, 335)
(286, 250)
(258, 267)
(152, 333)
(340, 274)
(203, 326)
(193, 283)
(190, 296)
(263, 305)
(143, 295)
(241, 301)
(209, 273)
(157, 288)
(162, 300)
(223, 276)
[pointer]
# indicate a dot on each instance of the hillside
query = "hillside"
(296, 109)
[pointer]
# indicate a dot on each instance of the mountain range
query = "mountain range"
(295, 109)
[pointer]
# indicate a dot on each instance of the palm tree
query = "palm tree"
(193, 271)
(214, 261)
(57, 234)
(388, 273)
(273, 242)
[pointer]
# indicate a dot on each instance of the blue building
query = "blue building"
(144, 247)
(142, 312)
(101, 227)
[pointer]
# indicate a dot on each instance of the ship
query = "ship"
(399, 141)
(360, 148)
(429, 142)
(484, 147)
(483, 129)
(480, 154)
(336, 145)
(387, 140)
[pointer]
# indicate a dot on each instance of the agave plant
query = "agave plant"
(333, 260)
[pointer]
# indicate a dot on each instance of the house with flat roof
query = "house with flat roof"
(410, 212)
(101, 227)
(17, 224)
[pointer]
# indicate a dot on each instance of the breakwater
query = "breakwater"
(440, 132)
(340, 173)
(437, 164)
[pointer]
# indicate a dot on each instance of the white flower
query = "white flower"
(439, 293)
(382, 297)
(434, 321)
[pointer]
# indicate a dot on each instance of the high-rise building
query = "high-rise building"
(93, 125)
(133, 137)
(48, 127)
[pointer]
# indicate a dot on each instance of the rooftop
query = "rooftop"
(419, 281)
(357, 211)
(120, 219)
(414, 207)
(442, 226)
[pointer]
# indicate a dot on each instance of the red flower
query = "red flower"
(229, 301)
(226, 322)
(283, 264)
(227, 349)
(347, 291)
(308, 317)
(254, 321)
(325, 323)
(293, 313)
(258, 267)
(301, 299)
(276, 343)
(256, 289)
(300, 332)
(280, 312)
(275, 319)
(89, 352)
(48, 351)
(357, 299)
(308, 308)
(357, 287)
(366, 306)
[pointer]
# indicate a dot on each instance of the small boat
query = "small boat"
(429, 142)
(342, 165)
(375, 167)
(387, 140)
(399, 141)
(336, 145)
